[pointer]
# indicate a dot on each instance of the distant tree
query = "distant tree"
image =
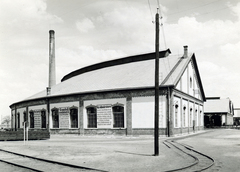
(6, 120)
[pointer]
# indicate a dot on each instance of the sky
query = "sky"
(92, 31)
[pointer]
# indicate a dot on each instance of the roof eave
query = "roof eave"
(91, 92)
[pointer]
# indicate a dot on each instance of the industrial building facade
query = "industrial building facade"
(117, 97)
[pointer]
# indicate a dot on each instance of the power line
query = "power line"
(206, 13)
(161, 23)
(189, 9)
(150, 11)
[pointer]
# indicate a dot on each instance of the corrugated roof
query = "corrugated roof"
(132, 75)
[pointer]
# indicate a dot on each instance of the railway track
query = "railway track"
(30, 163)
(200, 162)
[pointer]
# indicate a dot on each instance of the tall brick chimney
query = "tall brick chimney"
(52, 69)
(185, 55)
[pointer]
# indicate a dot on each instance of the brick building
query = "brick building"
(117, 97)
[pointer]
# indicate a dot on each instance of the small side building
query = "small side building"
(218, 112)
(236, 118)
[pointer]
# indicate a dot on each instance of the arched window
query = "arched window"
(55, 118)
(196, 118)
(118, 116)
(24, 116)
(74, 117)
(184, 116)
(200, 118)
(92, 116)
(43, 118)
(176, 115)
(31, 119)
(190, 117)
(190, 82)
(18, 120)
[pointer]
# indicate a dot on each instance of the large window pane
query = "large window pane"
(43, 118)
(92, 117)
(74, 118)
(55, 118)
(118, 116)
(31, 119)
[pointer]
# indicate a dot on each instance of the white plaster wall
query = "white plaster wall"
(102, 102)
(179, 111)
(229, 120)
(143, 112)
(223, 119)
(162, 111)
(191, 76)
(185, 81)
(201, 117)
(196, 114)
(191, 105)
(196, 93)
(179, 85)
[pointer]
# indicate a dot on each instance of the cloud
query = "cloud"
(69, 60)
(219, 81)
(231, 49)
(201, 35)
(24, 11)
(122, 28)
(235, 9)
(85, 25)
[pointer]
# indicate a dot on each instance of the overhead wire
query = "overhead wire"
(161, 24)
(150, 11)
(164, 39)
(189, 9)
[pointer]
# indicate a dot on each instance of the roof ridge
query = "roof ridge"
(170, 73)
(115, 62)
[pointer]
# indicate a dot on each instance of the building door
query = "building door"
(217, 120)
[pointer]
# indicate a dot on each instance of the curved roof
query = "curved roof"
(134, 72)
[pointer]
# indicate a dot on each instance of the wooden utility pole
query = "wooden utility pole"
(156, 126)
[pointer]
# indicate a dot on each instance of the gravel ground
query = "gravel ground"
(223, 145)
(104, 153)
(112, 153)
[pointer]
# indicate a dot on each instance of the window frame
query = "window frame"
(18, 120)
(190, 116)
(184, 116)
(72, 124)
(42, 122)
(118, 116)
(91, 116)
(31, 115)
(176, 115)
(55, 124)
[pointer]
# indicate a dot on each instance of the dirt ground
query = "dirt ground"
(223, 145)
(121, 153)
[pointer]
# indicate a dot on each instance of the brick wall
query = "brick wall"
(19, 135)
